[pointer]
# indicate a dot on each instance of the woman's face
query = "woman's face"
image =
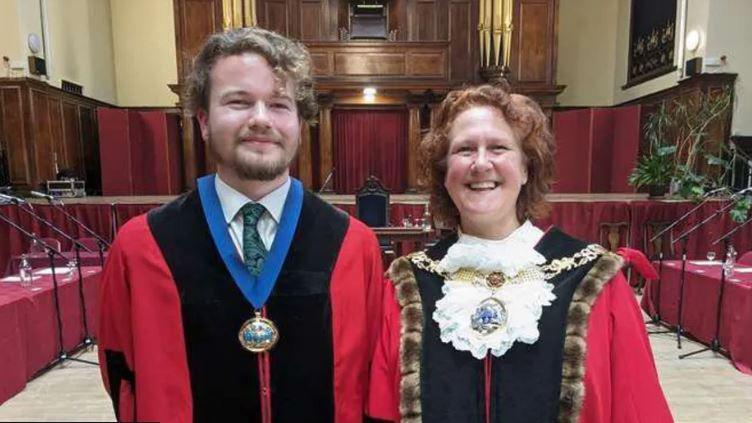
(485, 172)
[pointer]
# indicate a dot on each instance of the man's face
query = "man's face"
(252, 123)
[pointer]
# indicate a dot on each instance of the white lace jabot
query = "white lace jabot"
(523, 299)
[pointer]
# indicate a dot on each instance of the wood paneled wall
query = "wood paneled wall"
(370, 62)
(435, 50)
(452, 21)
(40, 124)
(687, 89)
(194, 21)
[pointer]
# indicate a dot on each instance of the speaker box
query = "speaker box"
(37, 66)
(693, 67)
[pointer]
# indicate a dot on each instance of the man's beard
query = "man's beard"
(256, 168)
(261, 169)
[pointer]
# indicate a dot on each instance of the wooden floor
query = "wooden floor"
(704, 388)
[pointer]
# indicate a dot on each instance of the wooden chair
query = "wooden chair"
(372, 203)
(663, 244)
(613, 235)
(372, 208)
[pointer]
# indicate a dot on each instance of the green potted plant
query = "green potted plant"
(679, 136)
(654, 170)
(678, 139)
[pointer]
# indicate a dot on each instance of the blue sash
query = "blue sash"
(256, 289)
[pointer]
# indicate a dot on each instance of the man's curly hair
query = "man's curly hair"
(530, 126)
(289, 59)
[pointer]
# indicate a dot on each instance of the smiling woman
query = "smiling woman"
(505, 123)
(500, 321)
(485, 172)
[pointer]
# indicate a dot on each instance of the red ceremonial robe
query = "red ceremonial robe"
(613, 365)
(170, 315)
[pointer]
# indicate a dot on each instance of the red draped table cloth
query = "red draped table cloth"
(701, 288)
(28, 332)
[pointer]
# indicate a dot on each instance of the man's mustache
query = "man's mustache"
(267, 136)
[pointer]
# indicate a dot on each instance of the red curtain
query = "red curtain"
(140, 152)
(606, 140)
(369, 142)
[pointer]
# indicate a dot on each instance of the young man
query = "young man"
(248, 299)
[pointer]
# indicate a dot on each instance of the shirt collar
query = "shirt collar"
(527, 234)
(232, 200)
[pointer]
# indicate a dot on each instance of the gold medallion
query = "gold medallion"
(258, 334)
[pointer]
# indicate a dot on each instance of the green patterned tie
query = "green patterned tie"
(254, 251)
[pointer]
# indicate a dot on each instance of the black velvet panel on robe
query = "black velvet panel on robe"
(117, 373)
(223, 376)
(526, 380)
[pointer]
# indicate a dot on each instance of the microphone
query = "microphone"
(706, 195)
(13, 199)
(43, 195)
(742, 192)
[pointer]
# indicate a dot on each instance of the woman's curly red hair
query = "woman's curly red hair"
(530, 126)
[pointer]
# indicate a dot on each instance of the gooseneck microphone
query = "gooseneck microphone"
(43, 195)
(13, 199)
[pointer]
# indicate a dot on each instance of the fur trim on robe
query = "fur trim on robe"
(575, 344)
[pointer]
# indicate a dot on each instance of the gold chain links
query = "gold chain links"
(584, 256)
(550, 270)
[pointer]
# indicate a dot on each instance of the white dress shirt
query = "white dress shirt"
(232, 201)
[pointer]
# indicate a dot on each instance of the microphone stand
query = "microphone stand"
(101, 242)
(326, 181)
(715, 344)
(113, 220)
(656, 318)
(683, 239)
(51, 253)
(88, 340)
